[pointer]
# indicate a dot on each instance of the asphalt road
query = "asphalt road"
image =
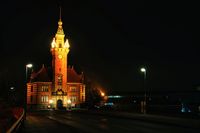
(57, 121)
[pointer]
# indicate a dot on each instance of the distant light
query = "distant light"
(143, 69)
(115, 96)
(29, 65)
(12, 88)
(109, 104)
(185, 109)
(96, 106)
(102, 94)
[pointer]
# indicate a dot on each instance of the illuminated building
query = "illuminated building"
(65, 89)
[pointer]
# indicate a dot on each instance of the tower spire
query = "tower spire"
(60, 29)
(60, 13)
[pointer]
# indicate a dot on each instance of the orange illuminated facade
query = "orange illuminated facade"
(65, 88)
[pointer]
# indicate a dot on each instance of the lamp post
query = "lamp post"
(28, 66)
(25, 100)
(69, 102)
(143, 70)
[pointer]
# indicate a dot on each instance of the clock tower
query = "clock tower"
(66, 89)
(59, 51)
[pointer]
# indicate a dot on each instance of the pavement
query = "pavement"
(165, 119)
(188, 123)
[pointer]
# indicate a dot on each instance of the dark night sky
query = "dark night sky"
(110, 41)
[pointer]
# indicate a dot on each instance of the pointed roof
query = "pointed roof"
(43, 75)
(40, 76)
(73, 77)
(60, 29)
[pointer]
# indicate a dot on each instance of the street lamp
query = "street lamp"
(102, 94)
(25, 101)
(28, 66)
(143, 70)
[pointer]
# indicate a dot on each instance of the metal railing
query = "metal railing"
(17, 124)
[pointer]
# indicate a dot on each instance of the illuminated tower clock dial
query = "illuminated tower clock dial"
(60, 56)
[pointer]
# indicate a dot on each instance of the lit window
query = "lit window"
(45, 89)
(73, 98)
(44, 99)
(73, 89)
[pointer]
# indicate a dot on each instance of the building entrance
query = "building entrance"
(59, 104)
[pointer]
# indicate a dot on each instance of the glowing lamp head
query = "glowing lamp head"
(102, 94)
(29, 65)
(143, 70)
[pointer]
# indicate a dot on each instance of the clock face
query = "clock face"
(59, 56)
